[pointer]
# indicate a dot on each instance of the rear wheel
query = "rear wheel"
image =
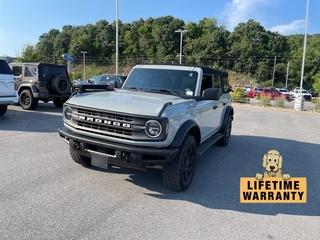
(27, 101)
(3, 110)
(226, 131)
(178, 174)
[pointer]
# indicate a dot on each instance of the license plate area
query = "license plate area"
(99, 161)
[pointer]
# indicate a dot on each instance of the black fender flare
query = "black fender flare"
(183, 131)
(228, 111)
(27, 86)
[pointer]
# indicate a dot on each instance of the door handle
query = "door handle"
(215, 107)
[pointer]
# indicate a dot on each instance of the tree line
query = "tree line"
(249, 49)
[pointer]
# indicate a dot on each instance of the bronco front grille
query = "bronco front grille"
(105, 115)
(113, 124)
(105, 128)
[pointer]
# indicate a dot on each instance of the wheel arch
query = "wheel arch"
(228, 111)
(31, 87)
(189, 127)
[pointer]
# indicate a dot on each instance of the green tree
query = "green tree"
(29, 54)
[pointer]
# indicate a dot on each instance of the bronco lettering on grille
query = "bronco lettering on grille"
(106, 122)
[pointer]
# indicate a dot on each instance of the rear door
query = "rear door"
(6, 80)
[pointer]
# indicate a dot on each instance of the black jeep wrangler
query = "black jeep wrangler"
(41, 81)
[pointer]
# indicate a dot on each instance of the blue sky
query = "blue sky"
(23, 21)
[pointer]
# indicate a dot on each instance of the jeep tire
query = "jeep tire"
(27, 101)
(178, 174)
(61, 85)
(83, 160)
(3, 110)
(226, 131)
(59, 103)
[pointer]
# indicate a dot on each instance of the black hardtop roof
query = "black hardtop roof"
(37, 64)
(204, 69)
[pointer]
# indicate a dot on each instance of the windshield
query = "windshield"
(180, 82)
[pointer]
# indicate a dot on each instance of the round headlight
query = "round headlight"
(67, 112)
(153, 128)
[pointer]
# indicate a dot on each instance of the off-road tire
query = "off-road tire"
(226, 131)
(61, 85)
(59, 103)
(27, 101)
(178, 174)
(83, 160)
(3, 110)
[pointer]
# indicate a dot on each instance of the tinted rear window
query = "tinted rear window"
(47, 72)
(4, 67)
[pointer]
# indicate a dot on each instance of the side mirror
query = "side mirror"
(211, 93)
(111, 86)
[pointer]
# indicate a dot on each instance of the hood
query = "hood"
(133, 102)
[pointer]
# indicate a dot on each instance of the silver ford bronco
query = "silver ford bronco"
(164, 116)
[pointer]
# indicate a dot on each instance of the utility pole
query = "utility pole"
(181, 33)
(84, 64)
(287, 75)
(117, 39)
(274, 68)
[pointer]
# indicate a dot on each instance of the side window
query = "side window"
(225, 83)
(216, 81)
(27, 72)
(206, 82)
(17, 70)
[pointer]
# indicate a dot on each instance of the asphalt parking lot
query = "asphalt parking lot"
(45, 195)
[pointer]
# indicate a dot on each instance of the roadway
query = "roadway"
(45, 195)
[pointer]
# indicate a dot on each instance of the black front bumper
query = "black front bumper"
(119, 154)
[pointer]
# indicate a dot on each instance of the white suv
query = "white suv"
(8, 94)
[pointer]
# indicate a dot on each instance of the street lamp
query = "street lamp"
(299, 101)
(84, 64)
(181, 33)
(117, 39)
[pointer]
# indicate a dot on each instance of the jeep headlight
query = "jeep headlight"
(153, 128)
(67, 113)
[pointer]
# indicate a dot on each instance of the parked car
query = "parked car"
(313, 93)
(41, 82)
(8, 93)
(286, 93)
(98, 83)
(255, 92)
(304, 93)
(247, 88)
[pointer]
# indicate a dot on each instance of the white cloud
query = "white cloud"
(291, 28)
(238, 11)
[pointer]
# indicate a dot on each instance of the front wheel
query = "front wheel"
(3, 110)
(59, 103)
(83, 160)
(178, 174)
(27, 101)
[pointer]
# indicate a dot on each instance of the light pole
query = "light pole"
(117, 39)
(299, 101)
(274, 68)
(287, 74)
(84, 64)
(181, 33)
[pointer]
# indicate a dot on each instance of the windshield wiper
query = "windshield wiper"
(163, 90)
